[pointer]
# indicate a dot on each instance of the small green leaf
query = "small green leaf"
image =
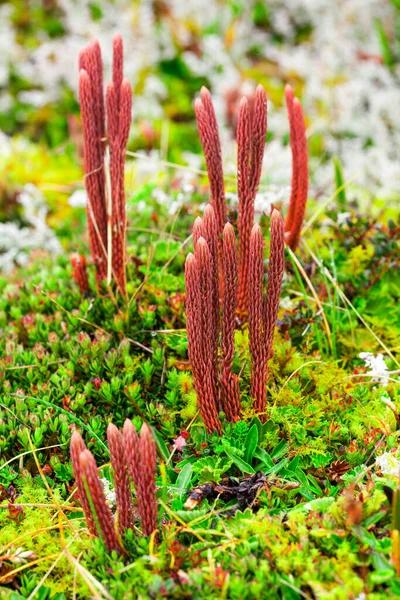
(162, 448)
(241, 464)
(265, 458)
(278, 467)
(250, 443)
(301, 477)
(184, 479)
(340, 185)
(314, 486)
(280, 450)
(387, 54)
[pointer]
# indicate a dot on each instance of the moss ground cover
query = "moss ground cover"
(320, 525)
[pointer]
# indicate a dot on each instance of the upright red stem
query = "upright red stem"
(250, 136)
(147, 502)
(263, 311)
(200, 334)
(95, 492)
(121, 480)
(93, 151)
(229, 382)
(299, 192)
(77, 445)
(209, 137)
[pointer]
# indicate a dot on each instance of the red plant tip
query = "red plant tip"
(261, 94)
(93, 44)
(202, 251)
(297, 106)
(250, 137)
(75, 259)
(125, 116)
(112, 430)
(77, 445)
(128, 426)
(190, 259)
(145, 431)
(289, 93)
(228, 231)
(77, 442)
(117, 39)
(205, 94)
(256, 231)
(275, 216)
(244, 103)
(118, 59)
(197, 231)
(86, 458)
(209, 212)
(126, 86)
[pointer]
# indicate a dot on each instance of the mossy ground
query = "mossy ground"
(321, 525)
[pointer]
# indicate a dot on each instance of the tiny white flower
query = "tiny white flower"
(141, 206)
(286, 303)
(342, 218)
(78, 199)
(388, 464)
(160, 196)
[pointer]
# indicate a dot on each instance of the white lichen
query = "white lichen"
(378, 369)
(109, 492)
(16, 242)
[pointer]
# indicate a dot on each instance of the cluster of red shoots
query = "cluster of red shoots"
(220, 275)
(133, 457)
(251, 133)
(211, 337)
(104, 160)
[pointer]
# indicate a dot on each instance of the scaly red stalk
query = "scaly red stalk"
(276, 268)
(93, 151)
(229, 382)
(250, 136)
(119, 108)
(209, 137)
(258, 354)
(79, 272)
(299, 192)
(121, 479)
(200, 335)
(210, 234)
(95, 492)
(147, 503)
(77, 445)
(263, 311)
(131, 445)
